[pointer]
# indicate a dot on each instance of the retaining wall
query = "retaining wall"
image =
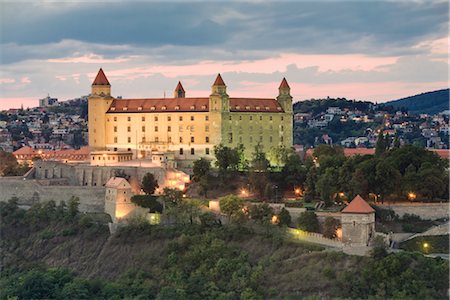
(31, 191)
(313, 237)
(427, 211)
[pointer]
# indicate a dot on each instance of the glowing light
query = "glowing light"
(412, 196)
(275, 219)
(244, 192)
(140, 156)
(40, 152)
(341, 194)
(339, 233)
(297, 191)
(425, 245)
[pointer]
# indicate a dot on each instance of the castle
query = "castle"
(184, 129)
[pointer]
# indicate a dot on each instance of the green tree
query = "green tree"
(260, 212)
(172, 197)
(148, 201)
(226, 158)
(380, 146)
(308, 221)
(202, 168)
(231, 205)
(387, 178)
(310, 184)
(149, 184)
(326, 186)
(329, 227)
(284, 217)
(278, 156)
(72, 207)
(293, 173)
(9, 165)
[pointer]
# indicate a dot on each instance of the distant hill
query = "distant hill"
(426, 103)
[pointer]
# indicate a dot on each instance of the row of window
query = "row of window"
(192, 139)
(156, 118)
(251, 118)
(193, 151)
(169, 128)
(192, 118)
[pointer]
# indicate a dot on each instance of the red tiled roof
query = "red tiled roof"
(101, 79)
(284, 84)
(179, 87)
(358, 151)
(79, 154)
(191, 104)
(443, 153)
(219, 80)
(358, 206)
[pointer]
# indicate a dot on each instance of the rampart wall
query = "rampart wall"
(427, 211)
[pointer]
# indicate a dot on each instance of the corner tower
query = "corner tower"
(179, 91)
(284, 96)
(99, 102)
(219, 100)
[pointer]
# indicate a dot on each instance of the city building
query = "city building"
(48, 102)
(187, 128)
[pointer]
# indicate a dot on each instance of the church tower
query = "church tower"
(99, 102)
(179, 91)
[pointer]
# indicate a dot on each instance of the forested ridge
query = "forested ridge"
(54, 252)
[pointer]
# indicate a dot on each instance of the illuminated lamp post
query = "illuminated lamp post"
(297, 192)
(412, 196)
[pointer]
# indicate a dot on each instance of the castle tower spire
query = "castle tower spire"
(101, 85)
(284, 88)
(219, 86)
(179, 91)
(284, 96)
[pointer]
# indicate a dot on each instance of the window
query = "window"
(181, 139)
(143, 128)
(207, 128)
(115, 119)
(180, 118)
(143, 119)
(192, 128)
(260, 118)
(281, 139)
(192, 151)
(143, 139)
(156, 139)
(129, 129)
(282, 118)
(129, 119)
(206, 118)
(115, 139)
(129, 139)
(251, 118)
(115, 128)
(207, 151)
(270, 118)
(192, 118)
(177, 107)
(260, 138)
(270, 139)
(156, 128)
(282, 127)
(230, 118)
(251, 139)
(156, 118)
(169, 118)
(169, 129)
(240, 118)
(181, 151)
(207, 139)
(230, 137)
(192, 139)
(169, 139)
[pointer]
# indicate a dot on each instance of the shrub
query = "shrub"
(148, 201)
(308, 221)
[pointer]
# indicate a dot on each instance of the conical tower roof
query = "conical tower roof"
(358, 206)
(284, 84)
(101, 79)
(219, 81)
(179, 87)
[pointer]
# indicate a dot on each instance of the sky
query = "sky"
(366, 50)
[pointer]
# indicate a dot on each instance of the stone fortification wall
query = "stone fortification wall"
(87, 175)
(32, 191)
(312, 237)
(427, 211)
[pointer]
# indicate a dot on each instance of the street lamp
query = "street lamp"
(244, 192)
(140, 159)
(297, 192)
(412, 196)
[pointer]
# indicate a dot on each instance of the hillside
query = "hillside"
(425, 103)
(56, 253)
